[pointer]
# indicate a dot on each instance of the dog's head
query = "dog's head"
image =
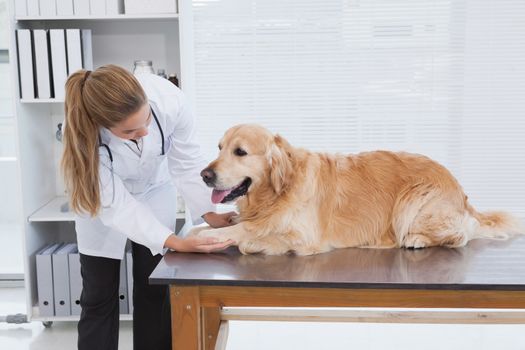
(250, 157)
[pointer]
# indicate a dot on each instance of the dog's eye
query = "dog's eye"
(240, 152)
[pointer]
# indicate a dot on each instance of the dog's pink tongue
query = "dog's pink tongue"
(218, 195)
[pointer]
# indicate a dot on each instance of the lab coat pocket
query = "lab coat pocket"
(160, 173)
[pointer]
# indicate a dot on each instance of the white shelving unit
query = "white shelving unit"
(41, 100)
(120, 40)
(57, 209)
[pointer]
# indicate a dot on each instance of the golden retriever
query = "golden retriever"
(294, 200)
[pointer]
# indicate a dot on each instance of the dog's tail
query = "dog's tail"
(495, 225)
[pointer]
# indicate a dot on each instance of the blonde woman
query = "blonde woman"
(128, 148)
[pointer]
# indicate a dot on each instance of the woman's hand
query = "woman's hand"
(196, 244)
(219, 220)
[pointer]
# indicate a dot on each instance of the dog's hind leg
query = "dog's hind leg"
(407, 208)
(416, 240)
(433, 229)
(440, 220)
(425, 215)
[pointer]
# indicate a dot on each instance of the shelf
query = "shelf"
(7, 159)
(41, 100)
(37, 318)
(52, 212)
(122, 17)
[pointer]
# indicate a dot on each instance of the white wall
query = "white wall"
(9, 203)
(10, 225)
(9, 181)
(3, 25)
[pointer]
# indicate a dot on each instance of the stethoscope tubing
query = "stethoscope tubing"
(110, 154)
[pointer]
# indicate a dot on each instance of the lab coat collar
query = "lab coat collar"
(118, 145)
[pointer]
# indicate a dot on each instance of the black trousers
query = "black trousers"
(99, 321)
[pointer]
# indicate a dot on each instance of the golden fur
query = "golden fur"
(308, 203)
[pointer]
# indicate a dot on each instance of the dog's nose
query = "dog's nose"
(208, 176)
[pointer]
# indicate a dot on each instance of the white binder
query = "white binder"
(58, 62)
(114, 7)
(64, 7)
(61, 279)
(129, 270)
(48, 8)
(20, 8)
(123, 288)
(87, 49)
(74, 50)
(98, 7)
(43, 82)
(33, 8)
(44, 280)
(25, 64)
(81, 7)
(75, 281)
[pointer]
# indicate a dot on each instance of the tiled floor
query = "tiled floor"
(60, 336)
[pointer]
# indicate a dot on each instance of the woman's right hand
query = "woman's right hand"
(196, 244)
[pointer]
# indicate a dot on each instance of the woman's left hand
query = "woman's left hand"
(216, 220)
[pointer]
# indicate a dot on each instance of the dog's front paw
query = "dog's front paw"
(222, 234)
(207, 232)
(197, 230)
(249, 247)
(214, 233)
(234, 220)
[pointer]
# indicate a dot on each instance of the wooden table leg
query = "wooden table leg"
(186, 318)
(211, 319)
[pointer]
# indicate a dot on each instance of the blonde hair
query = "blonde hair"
(101, 98)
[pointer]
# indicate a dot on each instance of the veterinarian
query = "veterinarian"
(128, 147)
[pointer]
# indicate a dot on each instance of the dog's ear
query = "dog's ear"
(280, 164)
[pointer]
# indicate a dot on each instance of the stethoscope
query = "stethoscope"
(162, 152)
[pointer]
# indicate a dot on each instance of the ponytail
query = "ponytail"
(80, 158)
(96, 99)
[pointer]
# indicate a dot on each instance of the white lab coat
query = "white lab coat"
(139, 195)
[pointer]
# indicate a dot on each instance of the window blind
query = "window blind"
(444, 78)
